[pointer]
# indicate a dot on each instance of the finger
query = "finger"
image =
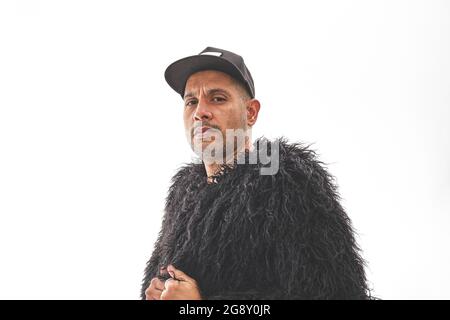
(157, 284)
(165, 295)
(170, 283)
(178, 274)
(152, 294)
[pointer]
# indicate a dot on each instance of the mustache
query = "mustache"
(204, 124)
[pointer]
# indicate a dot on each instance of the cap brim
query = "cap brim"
(178, 72)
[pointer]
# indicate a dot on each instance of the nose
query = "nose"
(202, 112)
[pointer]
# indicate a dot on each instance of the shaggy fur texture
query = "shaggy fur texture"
(251, 236)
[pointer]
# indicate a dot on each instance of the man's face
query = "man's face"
(213, 100)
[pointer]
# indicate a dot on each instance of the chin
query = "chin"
(206, 148)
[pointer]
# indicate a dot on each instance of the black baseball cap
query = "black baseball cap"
(210, 58)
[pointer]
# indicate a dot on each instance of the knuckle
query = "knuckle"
(170, 288)
(148, 291)
(171, 283)
(155, 283)
(152, 295)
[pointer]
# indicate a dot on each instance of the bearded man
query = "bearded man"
(257, 220)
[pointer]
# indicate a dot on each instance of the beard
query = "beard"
(216, 146)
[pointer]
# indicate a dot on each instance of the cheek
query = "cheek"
(237, 119)
(186, 118)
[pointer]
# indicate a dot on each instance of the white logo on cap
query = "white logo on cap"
(212, 53)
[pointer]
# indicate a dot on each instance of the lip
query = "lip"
(200, 130)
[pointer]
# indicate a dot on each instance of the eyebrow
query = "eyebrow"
(209, 92)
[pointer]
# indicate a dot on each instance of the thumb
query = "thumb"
(178, 274)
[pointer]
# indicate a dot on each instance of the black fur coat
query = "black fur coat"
(252, 236)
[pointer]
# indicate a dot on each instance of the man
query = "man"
(250, 221)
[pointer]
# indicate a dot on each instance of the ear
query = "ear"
(253, 107)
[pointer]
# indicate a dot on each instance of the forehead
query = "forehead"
(208, 78)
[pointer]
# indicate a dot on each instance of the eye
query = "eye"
(190, 102)
(218, 99)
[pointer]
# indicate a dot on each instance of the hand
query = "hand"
(154, 290)
(156, 287)
(180, 286)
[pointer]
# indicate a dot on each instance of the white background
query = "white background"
(90, 133)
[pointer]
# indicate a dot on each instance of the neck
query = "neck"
(214, 168)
